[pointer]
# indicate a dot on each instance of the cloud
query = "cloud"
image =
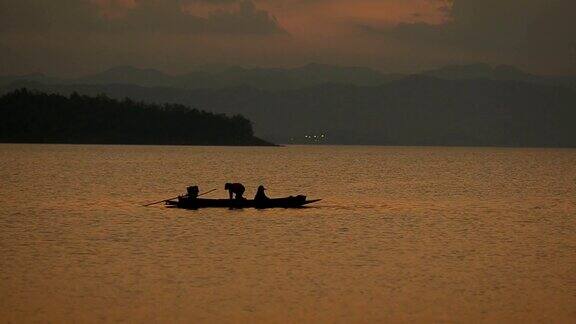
(38, 15)
(247, 19)
(487, 23)
(393, 35)
(120, 16)
(533, 33)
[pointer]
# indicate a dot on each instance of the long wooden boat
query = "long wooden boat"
(287, 202)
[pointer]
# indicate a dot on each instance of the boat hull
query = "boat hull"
(288, 202)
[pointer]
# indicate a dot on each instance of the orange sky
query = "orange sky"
(319, 30)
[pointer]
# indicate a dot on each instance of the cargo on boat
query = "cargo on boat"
(196, 203)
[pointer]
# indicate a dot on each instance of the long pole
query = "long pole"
(157, 202)
(207, 192)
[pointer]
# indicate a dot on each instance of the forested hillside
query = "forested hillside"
(35, 117)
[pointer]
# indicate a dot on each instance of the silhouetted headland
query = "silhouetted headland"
(35, 117)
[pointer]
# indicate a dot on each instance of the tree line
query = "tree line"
(28, 116)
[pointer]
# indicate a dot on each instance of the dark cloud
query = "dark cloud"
(146, 16)
(527, 32)
(394, 35)
(247, 20)
(38, 15)
(74, 37)
(487, 23)
(156, 16)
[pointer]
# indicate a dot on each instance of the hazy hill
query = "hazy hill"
(417, 110)
(498, 72)
(219, 77)
(480, 71)
(224, 77)
(262, 78)
(128, 75)
(7, 80)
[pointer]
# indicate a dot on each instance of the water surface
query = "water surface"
(402, 235)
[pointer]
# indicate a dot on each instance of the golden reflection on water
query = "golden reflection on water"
(402, 235)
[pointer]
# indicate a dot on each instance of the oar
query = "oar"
(157, 202)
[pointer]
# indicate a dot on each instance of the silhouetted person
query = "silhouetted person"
(260, 194)
(192, 192)
(235, 189)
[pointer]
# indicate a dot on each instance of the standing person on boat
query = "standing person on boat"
(235, 189)
(192, 192)
(260, 194)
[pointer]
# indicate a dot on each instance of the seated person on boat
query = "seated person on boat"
(235, 190)
(260, 194)
(192, 192)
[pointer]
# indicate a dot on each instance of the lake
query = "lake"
(403, 234)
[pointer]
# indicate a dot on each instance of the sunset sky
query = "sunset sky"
(74, 37)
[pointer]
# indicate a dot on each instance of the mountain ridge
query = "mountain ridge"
(416, 110)
(217, 77)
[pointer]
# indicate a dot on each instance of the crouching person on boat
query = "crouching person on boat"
(260, 194)
(235, 190)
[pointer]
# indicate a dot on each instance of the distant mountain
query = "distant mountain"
(278, 79)
(128, 75)
(216, 77)
(310, 75)
(480, 71)
(417, 110)
(275, 78)
(35, 77)
(498, 72)
(475, 104)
